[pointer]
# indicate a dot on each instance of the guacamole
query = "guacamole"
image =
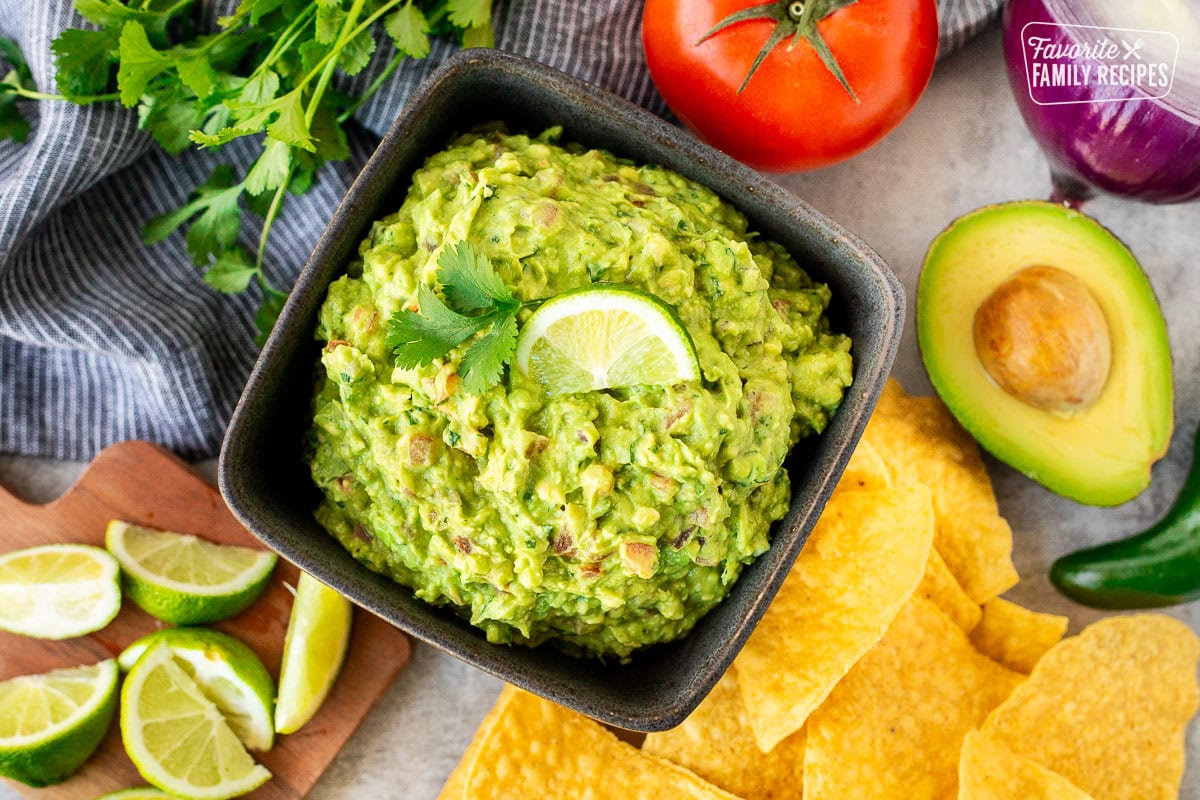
(601, 521)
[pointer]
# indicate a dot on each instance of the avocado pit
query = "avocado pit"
(1043, 339)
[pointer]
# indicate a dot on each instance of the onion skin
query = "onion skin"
(1135, 147)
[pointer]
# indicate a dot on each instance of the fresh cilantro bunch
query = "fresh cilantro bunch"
(477, 300)
(264, 72)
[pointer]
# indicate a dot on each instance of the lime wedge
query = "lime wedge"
(317, 637)
(58, 591)
(51, 723)
(227, 672)
(177, 738)
(185, 580)
(606, 336)
(137, 793)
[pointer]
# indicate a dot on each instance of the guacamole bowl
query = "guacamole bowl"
(263, 471)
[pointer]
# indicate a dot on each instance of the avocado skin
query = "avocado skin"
(1155, 568)
(1029, 439)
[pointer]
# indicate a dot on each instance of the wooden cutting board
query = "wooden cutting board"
(143, 484)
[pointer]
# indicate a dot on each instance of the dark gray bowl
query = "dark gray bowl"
(265, 480)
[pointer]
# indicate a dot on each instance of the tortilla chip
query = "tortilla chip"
(1107, 709)
(988, 771)
(918, 437)
(862, 562)
(716, 743)
(940, 587)
(455, 787)
(893, 728)
(866, 470)
(1016, 636)
(536, 749)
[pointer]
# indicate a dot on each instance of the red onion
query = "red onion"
(1111, 91)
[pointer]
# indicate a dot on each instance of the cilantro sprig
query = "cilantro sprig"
(477, 300)
(265, 72)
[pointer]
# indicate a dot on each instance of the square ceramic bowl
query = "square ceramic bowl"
(265, 480)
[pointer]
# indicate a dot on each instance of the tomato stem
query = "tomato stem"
(797, 19)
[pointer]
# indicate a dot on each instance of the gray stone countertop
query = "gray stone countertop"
(963, 146)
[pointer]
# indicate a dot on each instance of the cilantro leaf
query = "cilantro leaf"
(168, 114)
(356, 53)
(110, 14)
(232, 272)
(216, 229)
(83, 61)
(271, 168)
(290, 126)
(197, 74)
(140, 63)
(470, 13)
(418, 337)
(10, 52)
(471, 282)
(260, 89)
(330, 20)
(484, 360)
(479, 36)
(12, 124)
(409, 30)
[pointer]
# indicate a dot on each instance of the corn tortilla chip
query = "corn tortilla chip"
(940, 587)
(1016, 636)
(455, 787)
(866, 470)
(918, 437)
(862, 562)
(1107, 709)
(893, 728)
(536, 749)
(716, 743)
(987, 771)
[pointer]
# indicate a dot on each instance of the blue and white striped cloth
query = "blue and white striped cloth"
(103, 338)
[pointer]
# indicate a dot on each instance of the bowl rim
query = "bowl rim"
(868, 381)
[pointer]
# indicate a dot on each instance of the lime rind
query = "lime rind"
(193, 601)
(606, 336)
(58, 591)
(228, 673)
(137, 793)
(53, 754)
(168, 725)
(314, 648)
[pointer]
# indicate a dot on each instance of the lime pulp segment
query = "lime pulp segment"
(318, 636)
(58, 591)
(606, 336)
(51, 723)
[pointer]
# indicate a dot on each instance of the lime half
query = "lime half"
(318, 635)
(227, 672)
(177, 738)
(51, 723)
(185, 580)
(58, 591)
(606, 336)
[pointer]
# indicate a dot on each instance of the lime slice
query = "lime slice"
(606, 336)
(317, 637)
(227, 672)
(51, 723)
(137, 793)
(58, 591)
(177, 738)
(185, 580)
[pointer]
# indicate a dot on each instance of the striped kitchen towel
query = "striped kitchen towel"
(103, 338)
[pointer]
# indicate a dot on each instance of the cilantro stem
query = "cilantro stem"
(336, 50)
(373, 88)
(32, 95)
(286, 39)
(268, 220)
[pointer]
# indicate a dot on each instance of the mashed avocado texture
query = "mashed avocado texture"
(603, 521)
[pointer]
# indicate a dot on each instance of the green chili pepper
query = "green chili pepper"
(1155, 568)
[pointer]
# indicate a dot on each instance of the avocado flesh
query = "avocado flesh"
(1102, 454)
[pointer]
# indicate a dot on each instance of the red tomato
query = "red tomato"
(793, 113)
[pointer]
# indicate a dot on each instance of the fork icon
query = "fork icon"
(1132, 49)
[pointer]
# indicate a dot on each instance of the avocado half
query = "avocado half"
(1098, 451)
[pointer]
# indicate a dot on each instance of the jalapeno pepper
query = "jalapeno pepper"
(1158, 567)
